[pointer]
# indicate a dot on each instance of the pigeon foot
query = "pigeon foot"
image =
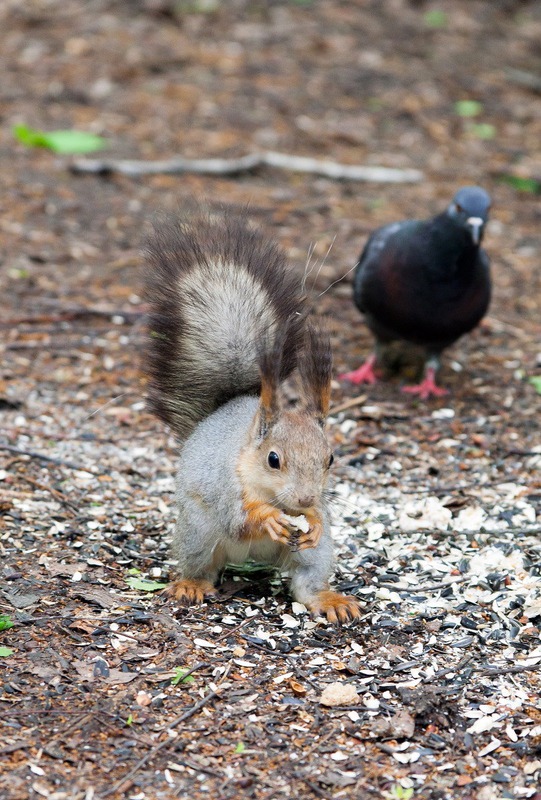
(427, 388)
(365, 373)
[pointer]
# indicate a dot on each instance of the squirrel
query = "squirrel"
(227, 327)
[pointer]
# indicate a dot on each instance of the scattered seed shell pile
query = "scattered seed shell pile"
(448, 644)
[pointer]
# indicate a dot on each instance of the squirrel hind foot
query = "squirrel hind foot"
(338, 608)
(190, 591)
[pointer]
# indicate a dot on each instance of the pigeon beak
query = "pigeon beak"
(475, 224)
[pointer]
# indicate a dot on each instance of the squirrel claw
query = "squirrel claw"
(276, 528)
(190, 591)
(311, 539)
(338, 608)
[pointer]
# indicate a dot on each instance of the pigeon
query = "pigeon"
(426, 282)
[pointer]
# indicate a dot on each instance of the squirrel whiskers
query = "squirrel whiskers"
(227, 327)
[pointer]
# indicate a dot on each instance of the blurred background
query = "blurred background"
(449, 87)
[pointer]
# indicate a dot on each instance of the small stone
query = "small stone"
(339, 694)
(143, 699)
(402, 725)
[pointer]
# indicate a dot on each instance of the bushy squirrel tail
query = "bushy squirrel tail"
(220, 295)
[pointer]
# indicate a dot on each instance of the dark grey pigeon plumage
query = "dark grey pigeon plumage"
(426, 282)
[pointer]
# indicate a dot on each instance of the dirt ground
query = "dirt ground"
(437, 518)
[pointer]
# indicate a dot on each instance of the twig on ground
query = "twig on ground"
(432, 587)
(234, 166)
(58, 462)
(73, 313)
(322, 739)
(506, 670)
(12, 748)
(351, 403)
(58, 496)
(235, 629)
(141, 763)
(313, 786)
(201, 665)
(441, 673)
(523, 78)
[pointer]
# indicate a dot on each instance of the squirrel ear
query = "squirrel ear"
(269, 406)
(277, 357)
(315, 369)
(270, 355)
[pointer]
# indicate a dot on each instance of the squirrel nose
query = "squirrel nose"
(307, 501)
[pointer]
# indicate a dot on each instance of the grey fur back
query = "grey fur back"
(219, 293)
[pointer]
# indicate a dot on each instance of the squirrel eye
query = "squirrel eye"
(274, 460)
(331, 460)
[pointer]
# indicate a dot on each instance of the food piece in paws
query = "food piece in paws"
(296, 525)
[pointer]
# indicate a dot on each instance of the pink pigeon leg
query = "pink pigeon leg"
(427, 388)
(364, 374)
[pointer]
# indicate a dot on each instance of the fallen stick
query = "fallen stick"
(41, 457)
(351, 403)
(234, 166)
(58, 496)
(164, 743)
(523, 78)
(72, 313)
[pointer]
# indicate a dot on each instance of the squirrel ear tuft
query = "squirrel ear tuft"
(270, 355)
(315, 370)
(277, 354)
(269, 406)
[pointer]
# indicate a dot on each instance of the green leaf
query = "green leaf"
(468, 108)
(240, 748)
(181, 677)
(399, 793)
(129, 721)
(134, 571)
(5, 623)
(435, 18)
(17, 273)
(250, 568)
(482, 130)
(535, 380)
(62, 142)
(196, 6)
(375, 103)
(5, 652)
(144, 585)
(530, 185)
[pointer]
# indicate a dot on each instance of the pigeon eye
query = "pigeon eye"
(273, 460)
(331, 460)
(459, 208)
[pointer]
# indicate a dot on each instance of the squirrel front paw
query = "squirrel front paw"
(338, 608)
(310, 539)
(279, 528)
(262, 517)
(276, 526)
(190, 591)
